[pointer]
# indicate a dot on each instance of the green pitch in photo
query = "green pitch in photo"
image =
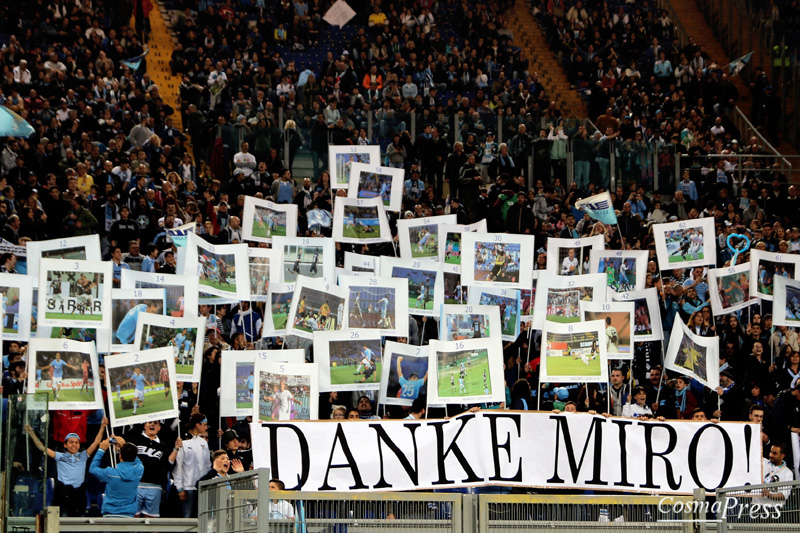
(429, 249)
(72, 316)
(357, 232)
(184, 369)
(154, 402)
(346, 375)
(67, 395)
(262, 231)
(510, 327)
(414, 303)
(688, 257)
(228, 287)
(569, 366)
(279, 320)
(450, 375)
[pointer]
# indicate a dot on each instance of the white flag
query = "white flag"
(339, 14)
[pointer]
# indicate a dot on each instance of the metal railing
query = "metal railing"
(231, 503)
(770, 507)
(535, 512)
(748, 131)
(744, 164)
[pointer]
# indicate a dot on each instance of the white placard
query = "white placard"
(509, 305)
(646, 314)
(138, 397)
(349, 360)
(693, 355)
(262, 220)
(558, 297)
(786, 305)
(370, 181)
(360, 221)
(405, 373)
(316, 306)
(729, 289)
(74, 293)
(419, 237)
(260, 260)
(765, 267)
(223, 269)
(238, 367)
(286, 391)
(279, 300)
(625, 270)
(85, 248)
(450, 235)
(17, 293)
(685, 244)
(67, 371)
(460, 322)
(376, 303)
(574, 353)
(468, 371)
(185, 335)
(425, 283)
(618, 320)
(341, 159)
(181, 290)
(361, 263)
(571, 257)
(127, 307)
(313, 257)
(496, 260)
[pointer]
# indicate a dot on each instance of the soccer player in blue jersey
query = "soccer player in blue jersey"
(126, 331)
(409, 388)
(57, 372)
(139, 381)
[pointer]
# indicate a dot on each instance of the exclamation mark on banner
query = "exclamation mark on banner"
(748, 434)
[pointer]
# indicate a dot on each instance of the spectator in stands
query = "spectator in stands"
(192, 463)
(158, 459)
(121, 481)
(70, 490)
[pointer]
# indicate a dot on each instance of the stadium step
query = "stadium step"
(161, 44)
(529, 36)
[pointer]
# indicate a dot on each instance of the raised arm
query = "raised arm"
(399, 370)
(99, 438)
(36, 442)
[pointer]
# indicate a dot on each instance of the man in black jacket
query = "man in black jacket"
(519, 218)
(158, 459)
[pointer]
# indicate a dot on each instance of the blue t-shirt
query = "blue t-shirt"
(249, 382)
(409, 388)
(368, 354)
(179, 339)
(72, 468)
(58, 368)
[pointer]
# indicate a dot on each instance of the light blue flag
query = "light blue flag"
(134, 62)
(319, 217)
(599, 208)
(735, 67)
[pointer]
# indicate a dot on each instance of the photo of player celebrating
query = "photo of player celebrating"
(143, 390)
(729, 288)
(286, 391)
(53, 369)
(405, 374)
(497, 262)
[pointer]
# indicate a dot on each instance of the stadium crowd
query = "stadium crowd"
(107, 159)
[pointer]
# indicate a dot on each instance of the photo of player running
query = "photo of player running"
(280, 303)
(452, 247)
(361, 222)
(72, 294)
(283, 397)
(509, 307)
(497, 262)
(65, 376)
(156, 332)
(302, 260)
(420, 286)
(684, 244)
(217, 270)
(268, 223)
(140, 389)
(620, 273)
(454, 292)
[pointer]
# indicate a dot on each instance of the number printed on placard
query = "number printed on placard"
(306, 241)
(415, 264)
(730, 270)
(468, 309)
(136, 358)
(353, 334)
(570, 284)
(282, 368)
(682, 225)
(160, 279)
(62, 243)
(778, 257)
(460, 345)
(498, 238)
(137, 294)
(619, 254)
(77, 265)
(359, 202)
(65, 345)
(373, 281)
(571, 328)
(606, 307)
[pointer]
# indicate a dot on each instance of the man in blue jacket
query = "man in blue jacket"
(121, 482)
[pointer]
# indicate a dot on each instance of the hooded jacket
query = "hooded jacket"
(121, 484)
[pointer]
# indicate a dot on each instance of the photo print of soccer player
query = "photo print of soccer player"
(766, 267)
(262, 220)
(419, 237)
(786, 306)
(507, 302)
(185, 336)
(370, 181)
(74, 293)
(259, 273)
(127, 305)
(460, 322)
(574, 353)
(141, 386)
(557, 297)
(425, 283)
(618, 319)
(625, 270)
(65, 370)
(450, 235)
(454, 292)
(312, 257)
(182, 291)
(342, 158)
(85, 248)
(693, 355)
(18, 303)
(646, 313)
(496, 259)
(239, 368)
(348, 360)
(286, 391)
(217, 267)
(729, 288)
(316, 306)
(280, 302)
(468, 371)
(360, 221)
(405, 374)
(377, 304)
(685, 244)
(571, 257)
(361, 263)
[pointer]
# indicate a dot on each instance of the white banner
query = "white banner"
(574, 451)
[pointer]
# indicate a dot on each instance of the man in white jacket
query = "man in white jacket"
(192, 463)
